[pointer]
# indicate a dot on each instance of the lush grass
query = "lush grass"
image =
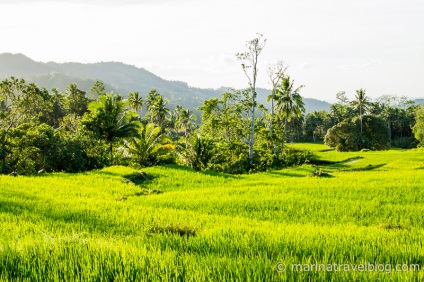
(182, 225)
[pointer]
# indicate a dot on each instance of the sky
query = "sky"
(328, 45)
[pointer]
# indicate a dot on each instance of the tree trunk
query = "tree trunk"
(284, 137)
(111, 153)
(252, 136)
(270, 124)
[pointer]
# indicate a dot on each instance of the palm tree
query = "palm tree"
(289, 103)
(109, 119)
(158, 110)
(135, 101)
(184, 120)
(361, 103)
(197, 152)
(148, 142)
(151, 98)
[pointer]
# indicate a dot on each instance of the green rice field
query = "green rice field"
(367, 209)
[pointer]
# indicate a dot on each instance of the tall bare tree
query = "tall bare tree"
(249, 64)
(275, 73)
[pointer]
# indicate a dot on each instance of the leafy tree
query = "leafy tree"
(97, 89)
(343, 136)
(226, 118)
(346, 136)
(31, 144)
(419, 125)
(58, 107)
(20, 103)
(375, 134)
(109, 119)
(249, 64)
(275, 74)
(316, 125)
(77, 102)
(341, 110)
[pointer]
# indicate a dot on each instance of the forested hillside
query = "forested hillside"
(120, 78)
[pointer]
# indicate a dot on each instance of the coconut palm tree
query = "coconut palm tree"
(361, 103)
(135, 101)
(148, 142)
(151, 98)
(289, 103)
(109, 119)
(184, 121)
(158, 111)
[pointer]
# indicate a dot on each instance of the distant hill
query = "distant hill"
(120, 78)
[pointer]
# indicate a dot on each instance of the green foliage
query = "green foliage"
(289, 104)
(144, 148)
(32, 147)
(36, 148)
(296, 157)
(196, 152)
(109, 120)
(347, 136)
(231, 158)
(375, 135)
(77, 101)
(419, 125)
(344, 136)
(135, 101)
(97, 89)
(316, 125)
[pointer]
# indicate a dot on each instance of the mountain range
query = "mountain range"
(120, 78)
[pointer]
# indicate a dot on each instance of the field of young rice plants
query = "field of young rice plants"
(361, 218)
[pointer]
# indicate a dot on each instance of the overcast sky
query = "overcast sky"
(329, 45)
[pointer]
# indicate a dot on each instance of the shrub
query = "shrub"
(230, 158)
(346, 135)
(296, 157)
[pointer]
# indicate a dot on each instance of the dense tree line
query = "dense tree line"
(74, 131)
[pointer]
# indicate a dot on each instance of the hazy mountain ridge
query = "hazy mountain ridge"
(120, 78)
